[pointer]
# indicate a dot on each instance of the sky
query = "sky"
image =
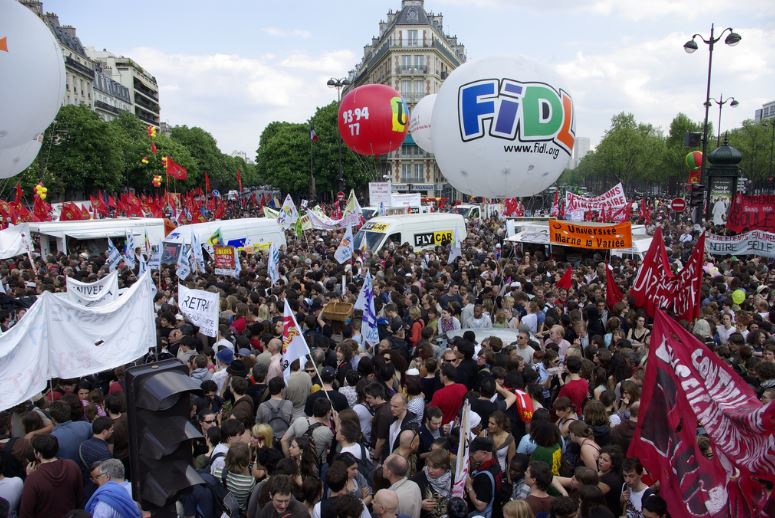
(233, 66)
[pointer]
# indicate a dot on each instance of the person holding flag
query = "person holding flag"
(183, 269)
(114, 256)
(273, 263)
(294, 345)
(129, 251)
(365, 303)
(345, 250)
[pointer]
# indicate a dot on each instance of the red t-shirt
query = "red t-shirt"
(449, 399)
(576, 391)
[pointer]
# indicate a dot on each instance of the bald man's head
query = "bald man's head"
(406, 438)
(385, 503)
(396, 466)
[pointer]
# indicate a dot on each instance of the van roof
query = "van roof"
(417, 218)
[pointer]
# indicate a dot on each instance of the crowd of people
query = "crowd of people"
(358, 430)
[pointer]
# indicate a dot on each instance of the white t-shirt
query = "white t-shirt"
(11, 490)
(220, 462)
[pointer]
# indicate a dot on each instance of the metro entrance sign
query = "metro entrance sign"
(678, 205)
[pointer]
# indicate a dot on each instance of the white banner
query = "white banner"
(15, 240)
(412, 199)
(58, 338)
(613, 198)
(379, 193)
(463, 449)
(92, 294)
(755, 242)
(344, 251)
(201, 308)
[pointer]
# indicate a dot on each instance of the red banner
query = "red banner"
(613, 294)
(686, 384)
(656, 287)
(752, 212)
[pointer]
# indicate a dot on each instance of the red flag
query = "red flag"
(70, 212)
(555, 205)
(645, 212)
(153, 147)
(207, 185)
(174, 169)
(111, 202)
(612, 292)
(239, 180)
(686, 384)
(566, 281)
(19, 193)
(656, 287)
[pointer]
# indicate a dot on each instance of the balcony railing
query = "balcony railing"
(408, 70)
(411, 44)
(80, 68)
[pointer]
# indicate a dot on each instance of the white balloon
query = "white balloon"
(502, 127)
(16, 159)
(32, 69)
(420, 123)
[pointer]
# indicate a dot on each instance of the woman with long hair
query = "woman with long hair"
(639, 334)
(518, 509)
(302, 450)
(581, 433)
(236, 473)
(499, 430)
(609, 470)
(357, 485)
(546, 436)
(596, 416)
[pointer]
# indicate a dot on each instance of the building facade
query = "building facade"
(111, 98)
(79, 69)
(767, 111)
(413, 55)
(580, 150)
(142, 86)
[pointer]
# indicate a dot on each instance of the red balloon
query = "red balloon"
(373, 119)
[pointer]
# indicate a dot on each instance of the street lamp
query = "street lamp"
(721, 102)
(690, 46)
(339, 84)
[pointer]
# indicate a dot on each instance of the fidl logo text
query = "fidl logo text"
(518, 111)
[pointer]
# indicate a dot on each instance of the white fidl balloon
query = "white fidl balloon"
(502, 127)
(32, 75)
(420, 123)
(16, 159)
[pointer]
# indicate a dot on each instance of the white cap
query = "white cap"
(223, 343)
(413, 372)
(474, 419)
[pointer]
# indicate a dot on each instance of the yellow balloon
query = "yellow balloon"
(738, 296)
(43, 196)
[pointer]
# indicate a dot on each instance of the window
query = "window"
(412, 38)
(419, 88)
(412, 173)
(419, 61)
(406, 61)
(406, 88)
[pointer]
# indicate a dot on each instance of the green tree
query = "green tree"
(673, 160)
(203, 148)
(81, 153)
(282, 159)
(755, 141)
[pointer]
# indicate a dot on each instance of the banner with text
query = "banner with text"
(656, 287)
(225, 260)
(755, 242)
(596, 237)
(687, 385)
(752, 212)
(201, 308)
(611, 199)
(91, 294)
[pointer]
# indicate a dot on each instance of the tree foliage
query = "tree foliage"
(82, 154)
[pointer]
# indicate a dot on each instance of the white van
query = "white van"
(242, 232)
(94, 233)
(419, 230)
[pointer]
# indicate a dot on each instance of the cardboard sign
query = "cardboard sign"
(224, 257)
(595, 237)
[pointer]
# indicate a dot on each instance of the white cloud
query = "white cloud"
(234, 97)
(656, 79)
(639, 10)
(278, 32)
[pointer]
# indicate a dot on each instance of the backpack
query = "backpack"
(322, 456)
(211, 459)
(224, 501)
(366, 466)
(281, 427)
(501, 494)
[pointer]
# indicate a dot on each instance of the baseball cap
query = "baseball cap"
(475, 420)
(225, 356)
(244, 352)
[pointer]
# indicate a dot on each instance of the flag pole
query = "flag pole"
(317, 371)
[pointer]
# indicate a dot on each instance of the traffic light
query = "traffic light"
(160, 433)
(697, 195)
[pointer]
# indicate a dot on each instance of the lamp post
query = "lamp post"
(690, 46)
(339, 84)
(721, 102)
